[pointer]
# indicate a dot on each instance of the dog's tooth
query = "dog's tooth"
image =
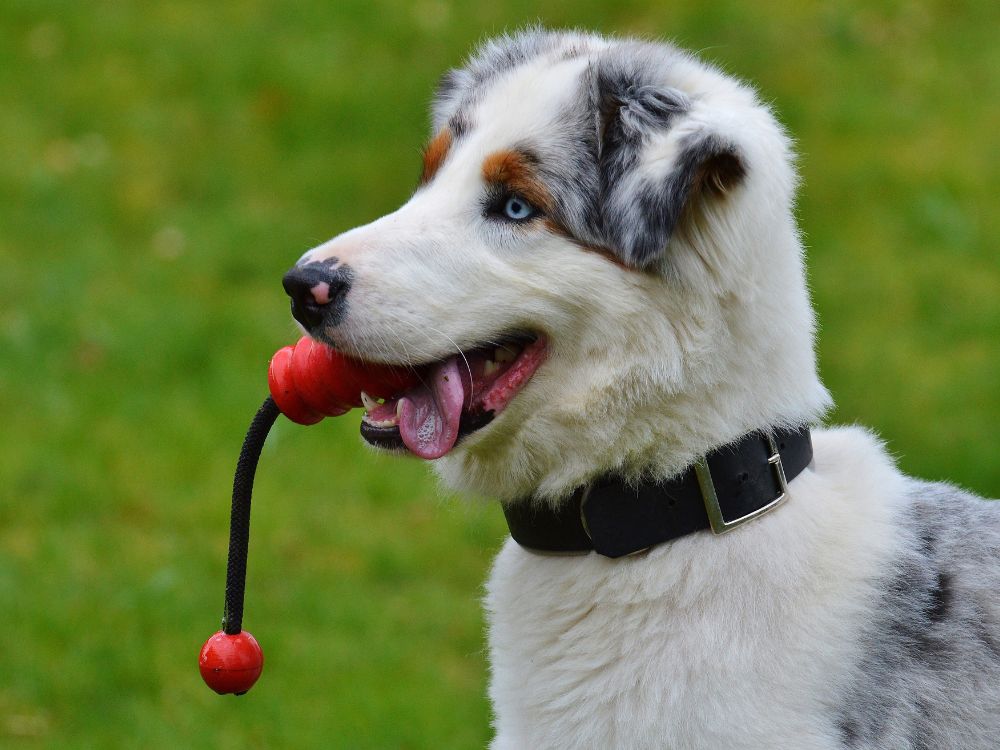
(368, 402)
(490, 367)
(399, 408)
(503, 356)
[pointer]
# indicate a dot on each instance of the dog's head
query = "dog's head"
(598, 270)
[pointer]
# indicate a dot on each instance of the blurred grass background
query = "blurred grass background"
(162, 164)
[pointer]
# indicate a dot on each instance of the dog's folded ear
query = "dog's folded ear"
(658, 163)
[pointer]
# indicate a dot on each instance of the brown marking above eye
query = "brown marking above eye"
(435, 153)
(514, 172)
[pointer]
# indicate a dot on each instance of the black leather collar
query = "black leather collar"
(731, 485)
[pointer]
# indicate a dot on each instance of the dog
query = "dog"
(599, 279)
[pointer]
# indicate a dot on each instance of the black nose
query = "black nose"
(318, 292)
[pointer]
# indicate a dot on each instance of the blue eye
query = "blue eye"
(517, 208)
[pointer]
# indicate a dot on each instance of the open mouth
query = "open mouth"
(456, 397)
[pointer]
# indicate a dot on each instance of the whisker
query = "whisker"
(449, 339)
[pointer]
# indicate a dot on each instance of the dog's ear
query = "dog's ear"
(657, 165)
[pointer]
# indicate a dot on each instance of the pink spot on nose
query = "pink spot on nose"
(321, 293)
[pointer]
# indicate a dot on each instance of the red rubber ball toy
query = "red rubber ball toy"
(310, 380)
(231, 663)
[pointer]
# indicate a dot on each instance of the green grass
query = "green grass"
(161, 164)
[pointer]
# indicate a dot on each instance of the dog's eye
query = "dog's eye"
(517, 208)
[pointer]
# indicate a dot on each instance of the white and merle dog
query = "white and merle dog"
(600, 276)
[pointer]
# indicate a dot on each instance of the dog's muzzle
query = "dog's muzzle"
(318, 291)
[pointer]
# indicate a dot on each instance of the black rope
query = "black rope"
(239, 522)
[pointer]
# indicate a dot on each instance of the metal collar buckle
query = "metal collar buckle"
(718, 522)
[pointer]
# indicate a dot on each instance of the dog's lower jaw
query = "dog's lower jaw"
(601, 403)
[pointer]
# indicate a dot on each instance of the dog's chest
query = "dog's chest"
(607, 658)
(740, 641)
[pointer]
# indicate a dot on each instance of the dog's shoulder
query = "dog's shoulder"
(955, 541)
(934, 642)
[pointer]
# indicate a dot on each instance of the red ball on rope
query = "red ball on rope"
(231, 663)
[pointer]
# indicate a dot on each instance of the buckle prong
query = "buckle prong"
(718, 522)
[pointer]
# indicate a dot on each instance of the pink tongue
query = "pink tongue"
(429, 414)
